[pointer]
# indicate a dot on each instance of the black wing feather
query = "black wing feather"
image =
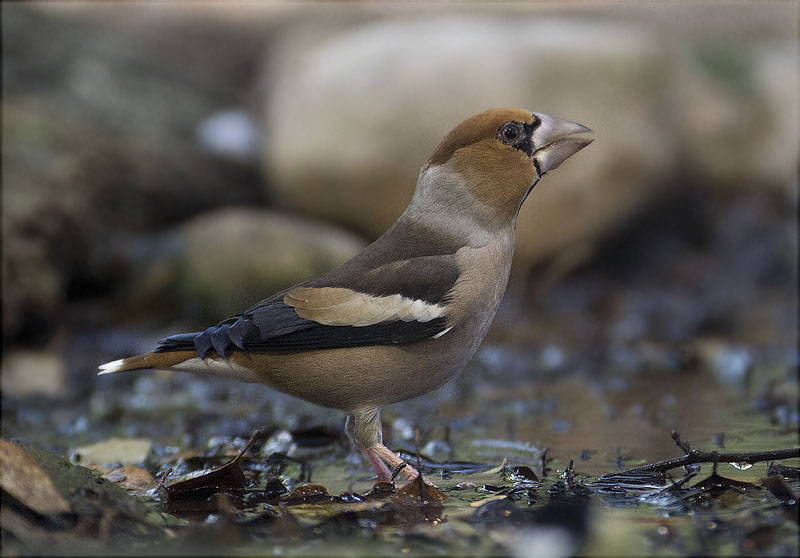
(271, 325)
(277, 327)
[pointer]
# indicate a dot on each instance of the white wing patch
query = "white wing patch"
(336, 306)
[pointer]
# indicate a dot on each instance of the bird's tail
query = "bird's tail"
(147, 360)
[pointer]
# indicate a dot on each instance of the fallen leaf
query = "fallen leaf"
(196, 493)
(24, 480)
(417, 489)
(228, 477)
(308, 494)
(381, 489)
(418, 502)
(133, 479)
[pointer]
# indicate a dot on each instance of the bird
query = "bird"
(406, 314)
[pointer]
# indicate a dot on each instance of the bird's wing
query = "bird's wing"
(398, 302)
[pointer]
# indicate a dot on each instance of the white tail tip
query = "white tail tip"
(111, 367)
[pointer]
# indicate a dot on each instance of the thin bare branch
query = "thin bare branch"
(694, 456)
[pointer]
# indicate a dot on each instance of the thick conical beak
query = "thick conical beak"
(552, 146)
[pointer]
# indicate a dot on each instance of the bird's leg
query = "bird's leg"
(394, 461)
(365, 430)
(384, 473)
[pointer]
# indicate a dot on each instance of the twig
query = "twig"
(253, 437)
(164, 478)
(694, 456)
(416, 446)
(687, 449)
(545, 460)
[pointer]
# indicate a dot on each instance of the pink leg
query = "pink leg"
(384, 473)
(364, 429)
(394, 461)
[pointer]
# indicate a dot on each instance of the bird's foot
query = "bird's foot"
(387, 457)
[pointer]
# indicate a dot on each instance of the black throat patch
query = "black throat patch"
(527, 146)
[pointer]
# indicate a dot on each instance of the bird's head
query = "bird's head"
(500, 154)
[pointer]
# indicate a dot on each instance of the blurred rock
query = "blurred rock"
(33, 373)
(729, 363)
(112, 126)
(224, 261)
(98, 138)
(353, 116)
(738, 112)
(354, 113)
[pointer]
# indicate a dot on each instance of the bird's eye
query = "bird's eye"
(510, 131)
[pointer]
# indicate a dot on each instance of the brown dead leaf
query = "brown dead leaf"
(196, 493)
(418, 502)
(380, 490)
(308, 494)
(24, 480)
(418, 490)
(134, 480)
(229, 477)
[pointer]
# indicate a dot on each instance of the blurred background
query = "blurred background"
(168, 165)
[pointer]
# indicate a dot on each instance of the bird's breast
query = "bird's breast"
(477, 293)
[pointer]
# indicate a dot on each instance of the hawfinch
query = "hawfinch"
(406, 314)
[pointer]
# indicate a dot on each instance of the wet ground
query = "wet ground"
(686, 324)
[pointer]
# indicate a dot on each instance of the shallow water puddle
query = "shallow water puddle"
(499, 450)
